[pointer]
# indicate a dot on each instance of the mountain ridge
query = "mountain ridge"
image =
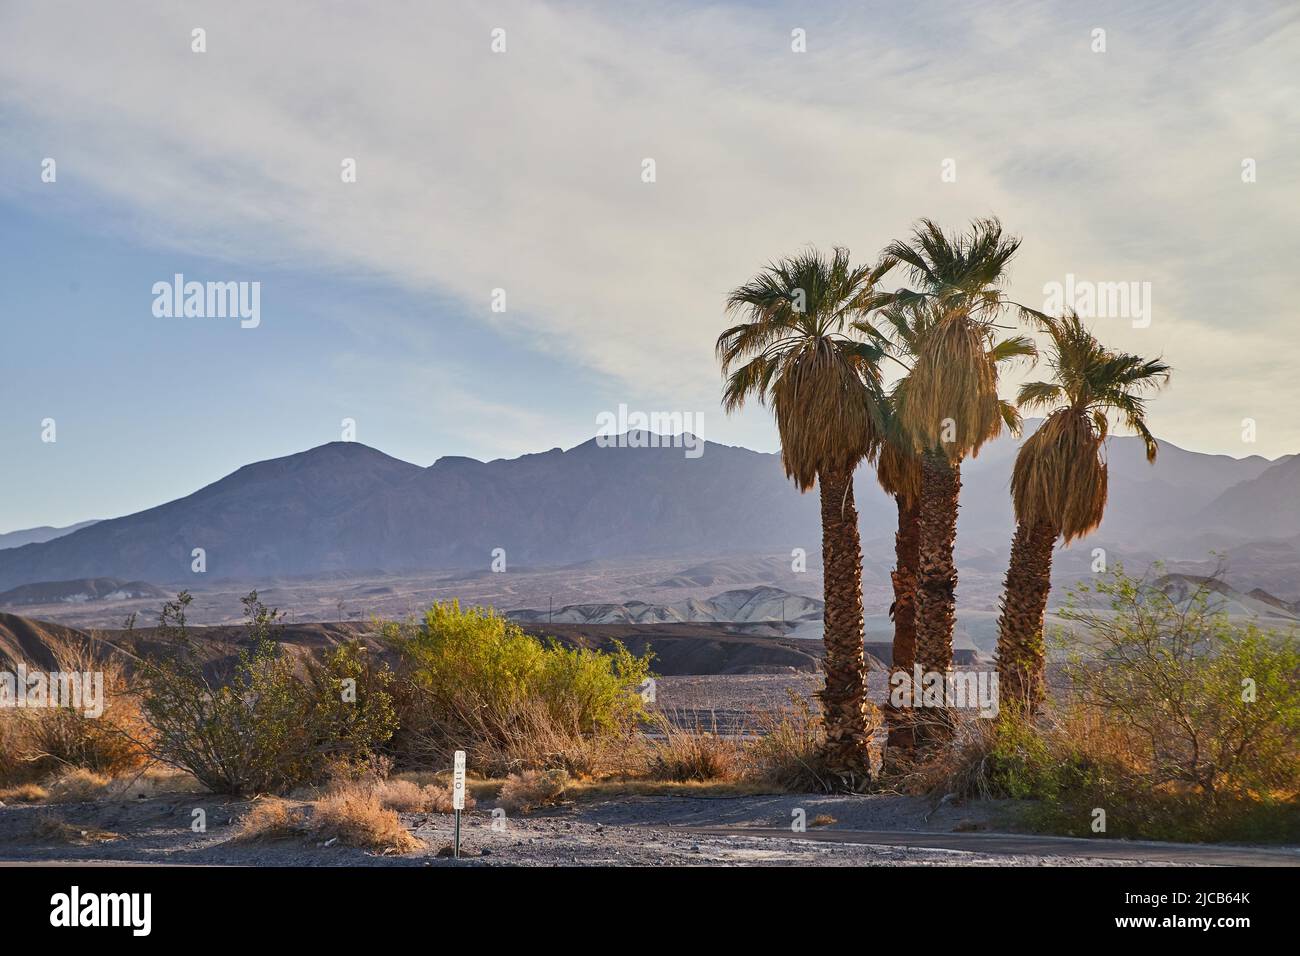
(344, 505)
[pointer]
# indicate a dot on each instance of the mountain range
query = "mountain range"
(16, 539)
(345, 506)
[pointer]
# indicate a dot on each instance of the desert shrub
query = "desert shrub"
(1054, 758)
(265, 730)
(1211, 704)
(352, 713)
(507, 736)
(472, 680)
(531, 789)
(684, 754)
(1178, 722)
(38, 741)
(962, 766)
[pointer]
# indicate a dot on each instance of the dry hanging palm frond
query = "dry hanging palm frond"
(899, 471)
(1059, 476)
(952, 403)
(823, 412)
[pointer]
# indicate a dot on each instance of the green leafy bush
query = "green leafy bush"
(474, 680)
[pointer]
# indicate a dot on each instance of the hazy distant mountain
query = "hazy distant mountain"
(1266, 506)
(1273, 566)
(1147, 503)
(743, 605)
(16, 539)
(590, 502)
(80, 592)
(1258, 603)
(278, 516)
(346, 506)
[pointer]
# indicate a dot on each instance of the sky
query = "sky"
(1170, 159)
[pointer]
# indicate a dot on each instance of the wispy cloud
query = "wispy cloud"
(522, 170)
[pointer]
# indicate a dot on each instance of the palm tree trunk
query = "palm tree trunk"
(907, 542)
(844, 698)
(1021, 659)
(936, 579)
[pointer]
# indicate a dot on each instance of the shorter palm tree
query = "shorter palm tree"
(797, 352)
(1059, 483)
(898, 470)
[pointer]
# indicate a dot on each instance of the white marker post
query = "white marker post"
(458, 794)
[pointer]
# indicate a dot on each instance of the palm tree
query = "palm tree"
(1059, 483)
(797, 352)
(915, 328)
(953, 406)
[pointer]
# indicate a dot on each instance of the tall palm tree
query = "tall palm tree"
(914, 329)
(797, 352)
(953, 406)
(1059, 483)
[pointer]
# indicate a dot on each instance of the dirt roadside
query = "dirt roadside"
(619, 831)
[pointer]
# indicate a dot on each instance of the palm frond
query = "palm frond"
(1060, 473)
(803, 350)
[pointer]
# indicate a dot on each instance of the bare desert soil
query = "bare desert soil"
(611, 830)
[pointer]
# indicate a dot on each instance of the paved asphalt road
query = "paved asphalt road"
(1026, 844)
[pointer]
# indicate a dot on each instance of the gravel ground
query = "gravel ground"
(623, 831)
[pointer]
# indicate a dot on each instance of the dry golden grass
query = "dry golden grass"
(531, 789)
(965, 765)
(350, 814)
(23, 793)
(78, 785)
(355, 816)
(268, 820)
(442, 802)
(13, 751)
(578, 790)
(786, 754)
(510, 735)
(408, 796)
(153, 782)
(475, 787)
(37, 742)
(678, 760)
(50, 828)
(405, 796)
(692, 753)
